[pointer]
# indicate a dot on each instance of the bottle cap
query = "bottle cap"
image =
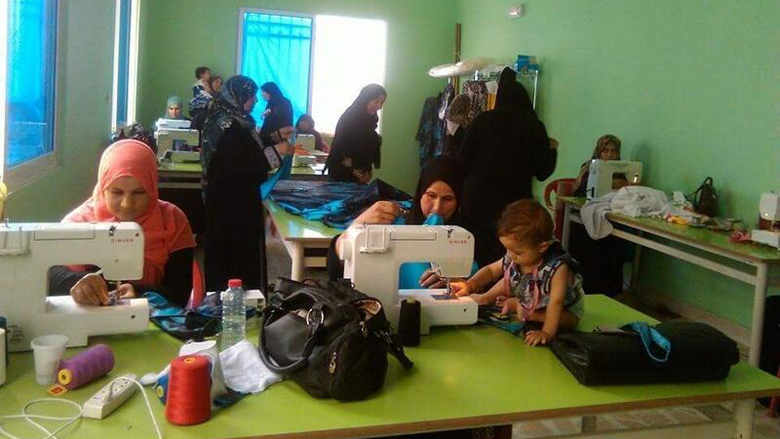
(234, 283)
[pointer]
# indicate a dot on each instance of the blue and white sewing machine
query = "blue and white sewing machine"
(373, 255)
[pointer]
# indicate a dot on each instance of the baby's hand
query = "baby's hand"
(509, 304)
(460, 289)
(533, 338)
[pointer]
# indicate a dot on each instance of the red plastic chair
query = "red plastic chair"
(198, 290)
(774, 403)
(563, 187)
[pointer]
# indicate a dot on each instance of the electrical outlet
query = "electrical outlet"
(111, 396)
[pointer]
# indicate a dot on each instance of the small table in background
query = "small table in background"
(691, 242)
(299, 234)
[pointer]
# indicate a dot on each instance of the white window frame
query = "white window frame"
(132, 74)
(242, 11)
(31, 170)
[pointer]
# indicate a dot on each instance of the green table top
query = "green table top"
(463, 376)
(179, 167)
(716, 242)
(295, 228)
(184, 168)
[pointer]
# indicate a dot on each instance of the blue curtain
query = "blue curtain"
(30, 87)
(123, 65)
(277, 48)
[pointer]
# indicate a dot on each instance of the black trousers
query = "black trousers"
(601, 261)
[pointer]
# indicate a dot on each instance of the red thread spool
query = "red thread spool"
(189, 390)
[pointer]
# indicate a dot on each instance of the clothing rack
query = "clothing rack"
(493, 72)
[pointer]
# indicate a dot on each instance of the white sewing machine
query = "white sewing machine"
(373, 256)
(769, 211)
(170, 130)
(28, 250)
(601, 173)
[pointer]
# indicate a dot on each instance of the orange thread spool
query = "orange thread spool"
(189, 391)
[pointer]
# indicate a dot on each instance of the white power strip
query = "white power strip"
(107, 399)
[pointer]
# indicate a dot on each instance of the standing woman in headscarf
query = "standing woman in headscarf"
(235, 162)
(126, 190)
(355, 151)
(278, 112)
(503, 151)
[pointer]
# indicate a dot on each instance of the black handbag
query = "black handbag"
(669, 352)
(705, 198)
(330, 339)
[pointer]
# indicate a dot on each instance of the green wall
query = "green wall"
(178, 35)
(689, 86)
(84, 113)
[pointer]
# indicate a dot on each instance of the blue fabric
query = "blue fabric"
(410, 272)
(283, 173)
(652, 340)
(336, 204)
(30, 88)
(203, 321)
(278, 48)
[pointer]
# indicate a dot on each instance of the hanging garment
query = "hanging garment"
(441, 122)
(426, 131)
(478, 92)
(335, 204)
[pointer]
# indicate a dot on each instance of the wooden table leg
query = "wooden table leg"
(743, 415)
(297, 255)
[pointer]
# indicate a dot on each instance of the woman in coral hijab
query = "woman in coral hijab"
(127, 191)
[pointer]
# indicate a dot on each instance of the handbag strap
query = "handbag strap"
(314, 324)
(650, 336)
(395, 348)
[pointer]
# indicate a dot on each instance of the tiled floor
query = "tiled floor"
(765, 427)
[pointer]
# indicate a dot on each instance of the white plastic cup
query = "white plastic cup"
(48, 351)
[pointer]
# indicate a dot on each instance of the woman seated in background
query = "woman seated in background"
(173, 108)
(278, 112)
(435, 203)
(355, 151)
(601, 261)
(305, 125)
(126, 190)
(607, 148)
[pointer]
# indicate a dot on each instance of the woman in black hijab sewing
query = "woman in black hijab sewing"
(503, 151)
(278, 112)
(235, 163)
(356, 145)
(436, 202)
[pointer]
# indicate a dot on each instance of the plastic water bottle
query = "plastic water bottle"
(233, 315)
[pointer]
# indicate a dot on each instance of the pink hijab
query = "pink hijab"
(166, 229)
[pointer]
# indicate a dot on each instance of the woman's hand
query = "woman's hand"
(284, 148)
(126, 291)
(429, 279)
(363, 177)
(90, 290)
(282, 134)
(553, 143)
(381, 212)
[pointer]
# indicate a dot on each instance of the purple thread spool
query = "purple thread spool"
(85, 367)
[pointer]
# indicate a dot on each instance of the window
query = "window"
(338, 78)
(320, 63)
(277, 48)
(125, 63)
(28, 35)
